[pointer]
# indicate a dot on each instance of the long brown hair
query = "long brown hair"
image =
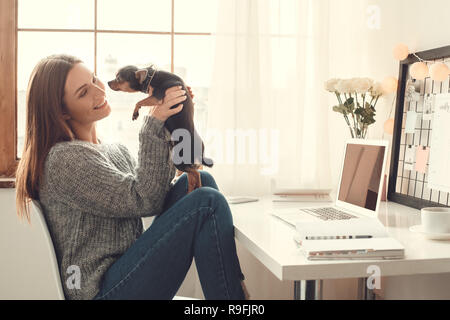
(45, 125)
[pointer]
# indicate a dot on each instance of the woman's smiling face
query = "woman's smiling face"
(84, 96)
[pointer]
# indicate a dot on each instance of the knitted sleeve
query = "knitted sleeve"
(82, 177)
(126, 153)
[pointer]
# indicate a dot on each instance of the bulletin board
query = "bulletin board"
(409, 176)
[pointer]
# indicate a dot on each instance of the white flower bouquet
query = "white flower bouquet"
(353, 96)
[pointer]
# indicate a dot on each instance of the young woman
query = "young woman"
(93, 196)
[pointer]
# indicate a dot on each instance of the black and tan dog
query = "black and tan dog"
(155, 83)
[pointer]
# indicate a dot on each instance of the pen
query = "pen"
(339, 252)
(337, 237)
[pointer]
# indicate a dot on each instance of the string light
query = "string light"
(439, 71)
(389, 126)
(419, 70)
(390, 85)
(389, 123)
(401, 51)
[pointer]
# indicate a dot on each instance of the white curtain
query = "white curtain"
(268, 111)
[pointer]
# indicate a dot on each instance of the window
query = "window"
(175, 35)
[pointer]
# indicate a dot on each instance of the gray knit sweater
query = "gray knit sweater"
(93, 197)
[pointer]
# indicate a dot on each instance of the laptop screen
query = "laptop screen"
(361, 175)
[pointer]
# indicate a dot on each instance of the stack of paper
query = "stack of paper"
(306, 197)
(293, 194)
(375, 248)
(338, 239)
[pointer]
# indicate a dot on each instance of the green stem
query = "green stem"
(355, 122)
(353, 116)
(351, 132)
(376, 102)
(364, 106)
(348, 123)
(338, 95)
(346, 119)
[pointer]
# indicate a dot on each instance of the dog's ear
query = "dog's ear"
(141, 74)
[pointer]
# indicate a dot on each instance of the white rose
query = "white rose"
(376, 90)
(330, 85)
(354, 84)
(344, 86)
(362, 85)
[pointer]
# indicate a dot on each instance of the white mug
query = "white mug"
(436, 219)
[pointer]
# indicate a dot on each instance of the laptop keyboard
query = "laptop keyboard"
(329, 214)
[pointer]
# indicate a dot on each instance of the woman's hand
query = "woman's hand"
(190, 92)
(191, 95)
(173, 96)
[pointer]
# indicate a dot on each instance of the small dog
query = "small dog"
(155, 83)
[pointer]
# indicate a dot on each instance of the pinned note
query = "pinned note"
(428, 106)
(422, 154)
(411, 119)
(410, 157)
(439, 171)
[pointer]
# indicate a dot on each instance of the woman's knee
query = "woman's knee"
(208, 180)
(214, 199)
(211, 204)
(212, 196)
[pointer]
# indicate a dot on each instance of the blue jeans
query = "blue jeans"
(197, 225)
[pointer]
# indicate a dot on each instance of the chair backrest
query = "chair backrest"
(36, 211)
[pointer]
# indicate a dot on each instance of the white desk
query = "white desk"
(270, 240)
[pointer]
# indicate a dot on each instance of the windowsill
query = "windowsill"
(6, 183)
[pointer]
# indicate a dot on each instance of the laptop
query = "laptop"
(359, 190)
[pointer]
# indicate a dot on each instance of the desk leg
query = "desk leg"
(364, 293)
(297, 290)
(308, 290)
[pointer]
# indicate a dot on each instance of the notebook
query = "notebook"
(358, 240)
(376, 248)
(340, 230)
